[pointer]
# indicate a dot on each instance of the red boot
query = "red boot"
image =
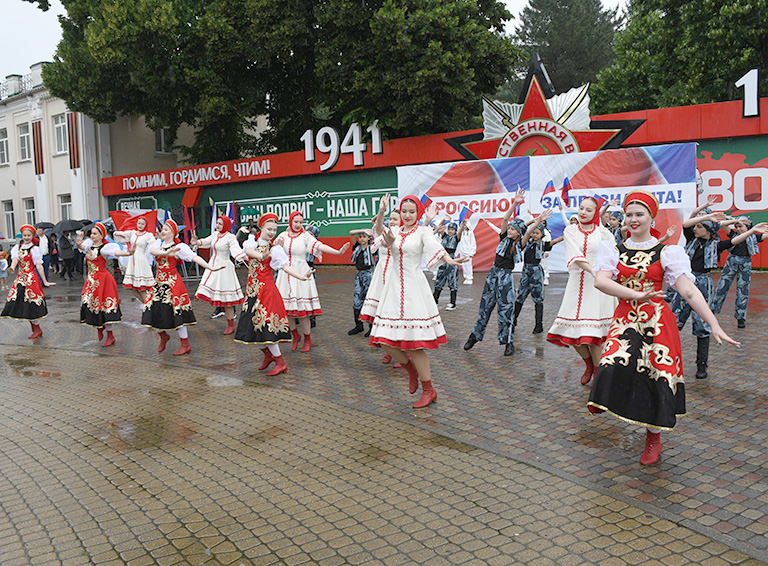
(428, 395)
(280, 366)
(164, 337)
(110, 339)
(413, 377)
(268, 358)
(652, 448)
(307, 344)
(36, 331)
(101, 333)
(386, 359)
(586, 377)
(296, 338)
(230, 326)
(184, 349)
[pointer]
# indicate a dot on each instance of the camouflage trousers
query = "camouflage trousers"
(447, 274)
(362, 282)
(739, 268)
(531, 282)
(498, 292)
(683, 310)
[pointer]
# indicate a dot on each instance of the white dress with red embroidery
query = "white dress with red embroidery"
(407, 316)
(138, 269)
(26, 300)
(586, 314)
(378, 279)
(221, 288)
(300, 297)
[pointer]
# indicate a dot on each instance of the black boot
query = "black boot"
(452, 303)
(358, 325)
(518, 308)
(509, 349)
(702, 357)
(436, 295)
(538, 329)
(471, 341)
(370, 328)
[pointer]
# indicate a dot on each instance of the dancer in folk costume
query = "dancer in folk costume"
(264, 320)
(168, 306)
(586, 313)
(26, 299)
(221, 287)
(499, 289)
(640, 373)
(449, 274)
(300, 296)
(139, 234)
(407, 321)
(383, 266)
(100, 305)
(532, 280)
(703, 246)
(738, 266)
(364, 258)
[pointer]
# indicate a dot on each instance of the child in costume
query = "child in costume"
(364, 257)
(138, 278)
(168, 306)
(703, 246)
(100, 305)
(499, 289)
(738, 266)
(448, 274)
(532, 281)
(640, 372)
(467, 248)
(264, 320)
(26, 299)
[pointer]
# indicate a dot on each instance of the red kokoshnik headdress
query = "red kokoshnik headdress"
(28, 227)
(101, 228)
(263, 219)
(649, 201)
(175, 227)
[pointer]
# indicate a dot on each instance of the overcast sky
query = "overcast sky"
(30, 36)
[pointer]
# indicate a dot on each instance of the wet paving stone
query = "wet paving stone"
(122, 455)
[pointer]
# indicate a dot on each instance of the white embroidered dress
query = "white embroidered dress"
(138, 268)
(221, 288)
(586, 313)
(300, 297)
(406, 315)
(378, 279)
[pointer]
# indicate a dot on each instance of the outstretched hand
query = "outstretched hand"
(388, 236)
(519, 196)
(671, 230)
(648, 295)
(720, 337)
(344, 248)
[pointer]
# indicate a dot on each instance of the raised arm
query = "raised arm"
(378, 222)
(535, 224)
(760, 228)
(713, 217)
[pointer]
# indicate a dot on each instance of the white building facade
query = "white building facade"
(52, 160)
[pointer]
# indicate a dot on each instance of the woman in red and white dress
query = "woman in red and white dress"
(585, 314)
(168, 306)
(26, 300)
(138, 278)
(300, 297)
(221, 288)
(407, 321)
(100, 305)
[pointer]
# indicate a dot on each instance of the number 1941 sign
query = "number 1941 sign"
(327, 141)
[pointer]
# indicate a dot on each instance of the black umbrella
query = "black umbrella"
(44, 225)
(88, 227)
(67, 225)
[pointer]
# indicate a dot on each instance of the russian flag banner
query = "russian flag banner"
(564, 191)
(466, 214)
(549, 189)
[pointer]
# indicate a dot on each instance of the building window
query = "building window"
(10, 223)
(65, 205)
(29, 210)
(163, 142)
(3, 146)
(60, 131)
(25, 149)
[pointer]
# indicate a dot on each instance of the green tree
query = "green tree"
(419, 66)
(674, 53)
(573, 37)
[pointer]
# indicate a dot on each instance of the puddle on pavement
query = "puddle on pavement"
(223, 381)
(432, 440)
(26, 367)
(150, 431)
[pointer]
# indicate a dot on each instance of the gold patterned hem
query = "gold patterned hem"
(24, 319)
(632, 421)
